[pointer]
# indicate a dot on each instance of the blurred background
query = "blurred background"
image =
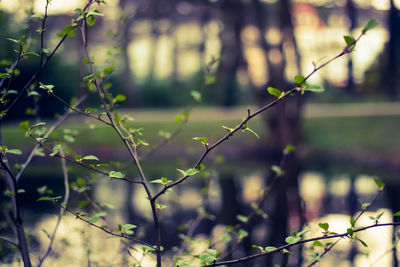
(230, 51)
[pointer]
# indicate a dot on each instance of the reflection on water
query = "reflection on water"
(77, 243)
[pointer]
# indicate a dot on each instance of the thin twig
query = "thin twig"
(287, 246)
(62, 209)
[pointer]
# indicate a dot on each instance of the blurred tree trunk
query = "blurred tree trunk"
(126, 22)
(232, 53)
(284, 125)
(352, 15)
(392, 73)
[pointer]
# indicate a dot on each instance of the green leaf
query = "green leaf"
(14, 151)
(48, 88)
(371, 23)
(94, 12)
(292, 239)
(192, 171)
(242, 234)
(363, 243)
(162, 180)
(115, 174)
(379, 183)
(90, 157)
(352, 221)
(127, 228)
(258, 247)
(270, 248)
(278, 170)
(300, 80)
(324, 226)
(203, 140)
(119, 98)
(44, 199)
(242, 218)
(315, 88)
(288, 149)
(228, 129)
(397, 214)
(56, 149)
(253, 132)
(350, 232)
(90, 20)
(274, 92)
(350, 41)
(196, 95)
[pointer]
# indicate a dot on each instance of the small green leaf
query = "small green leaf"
(242, 218)
(278, 170)
(192, 171)
(115, 174)
(90, 20)
(203, 140)
(228, 129)
(196, 95)
(324, 226)
(90, 157)
(270, 248)
(119, 98)
(56, 149)
(371, 23)
(379, 183)
(315, 88)
(352, 221)
(288, 149)
(274, 92)
(397, 214)
(300, 80)
(292, 239)
(350, 232)
(363, 243)
(350, 41)
(242, 234)
(14, 151)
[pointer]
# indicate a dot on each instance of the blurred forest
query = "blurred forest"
(159, 52)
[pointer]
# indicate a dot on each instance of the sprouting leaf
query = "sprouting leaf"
(288, 149)
(274, 92)
(350, 42)
(258, 247)
(242, 218)
(203, 140)
(300, 80)
(196, 95)
(324, 226)
(352, 221)
(56, 149)
(119, 98)
(242, 234)
(94, 12)
(162, 180)
(91, 20)
(48, 88)
(315, 88)
(126, 228)
(192, 171)
(228, 129)
(362, 242)
(14, 151)
(397, 214)
(371, 23)
(90, 110)
(278, 170)
(292, 239)
(115, 174)
(253, 132)
(270, 248)
(379, 183)
(90, 157)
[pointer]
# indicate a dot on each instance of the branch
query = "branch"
(39, 71)
(62, 209)
(250, 116)
(343, 235)
(22, 243)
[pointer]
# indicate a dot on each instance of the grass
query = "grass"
(358, 133)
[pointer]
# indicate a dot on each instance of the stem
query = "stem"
(343, 235)
(22, 243)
